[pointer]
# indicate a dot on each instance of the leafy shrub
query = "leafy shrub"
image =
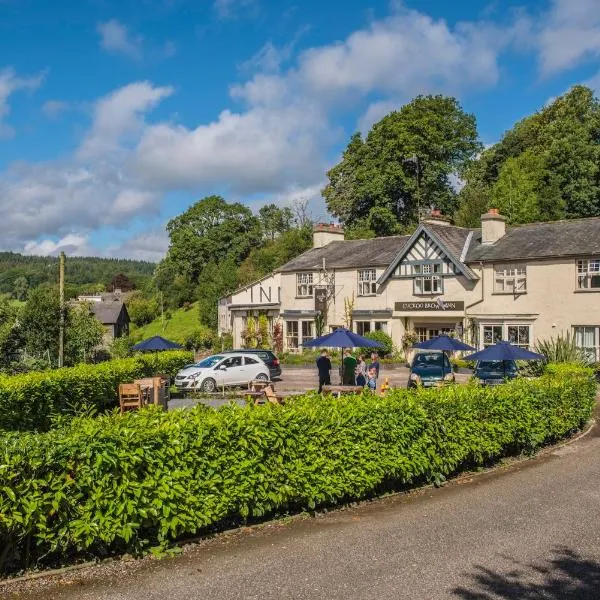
(28, 402)
(122, 483)
(200, 339)
(382, 338)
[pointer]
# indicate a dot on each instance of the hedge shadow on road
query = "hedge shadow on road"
(567, 575)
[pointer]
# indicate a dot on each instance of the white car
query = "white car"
(222, 370)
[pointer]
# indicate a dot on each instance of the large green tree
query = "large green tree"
(211, 231)
(546, 167)
(275, 220)
(403, 165)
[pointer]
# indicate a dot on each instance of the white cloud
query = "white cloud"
(9, 84)
(53, 108)
(229, 9)
(374, 113)
(71, 244)
(568, 34)
(115, 38)
(151, 245)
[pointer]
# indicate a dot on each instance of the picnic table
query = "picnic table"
(342, 390)
(154, 390)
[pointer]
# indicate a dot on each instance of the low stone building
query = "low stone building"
(521, 284)
(111, 311)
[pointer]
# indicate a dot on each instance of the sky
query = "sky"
(116, 115)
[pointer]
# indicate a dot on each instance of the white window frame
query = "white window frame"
(307, 329)
(292, 341)
(362, 325)
(367, 282)
(504, 328)
(380, 326)
(588, 270)
(304, 285)
(428, 275)
(510, 278)
(593, 352)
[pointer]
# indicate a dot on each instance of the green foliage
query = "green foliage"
(562, 349)
(376, 185)
(28, 401)
(275, 220)
(121, 347)
(200, 339)
(264, 340)
(84, 334)
(382, 338)
(20, 288)
(546, 167)
(10, 333)
(178, 325)
(142, 310)
(127, 483)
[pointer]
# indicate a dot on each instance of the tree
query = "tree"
(83, 334)
(120, 282)
(39, 323)
(275, 220)
(552, 157)
(210, 231)
(142, 310)
(217, 281)
(404, 163)
(20, 288)
(10, 333)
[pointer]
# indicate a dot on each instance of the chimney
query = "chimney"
(323, 233)
(493, 226)
(436, 218)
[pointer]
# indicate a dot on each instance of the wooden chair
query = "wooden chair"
(271, 396)
(130, 396)
(257, 385)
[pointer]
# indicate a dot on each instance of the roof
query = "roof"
(349, 254)
(554, 239)
(107, 312)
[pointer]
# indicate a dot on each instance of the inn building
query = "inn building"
(520, 284)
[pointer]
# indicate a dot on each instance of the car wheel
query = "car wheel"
(262, 377)
(208, 385)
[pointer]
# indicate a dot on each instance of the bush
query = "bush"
(200, 339)
(122, 483)
(29, 401)
(382, 338)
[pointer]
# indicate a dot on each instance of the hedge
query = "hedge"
(123, 483)
(29, 401)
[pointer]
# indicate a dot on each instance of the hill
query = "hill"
(181, 323)
(79, 271)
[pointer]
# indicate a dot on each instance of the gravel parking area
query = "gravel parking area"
(303, 379)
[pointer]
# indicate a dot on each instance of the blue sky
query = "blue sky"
(117, 115)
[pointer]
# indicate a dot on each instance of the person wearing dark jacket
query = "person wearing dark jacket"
(324, 368)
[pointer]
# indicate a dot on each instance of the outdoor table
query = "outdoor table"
(153, 391)
(339, 390)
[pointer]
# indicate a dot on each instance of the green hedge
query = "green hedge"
(122, 483)
(29, 401)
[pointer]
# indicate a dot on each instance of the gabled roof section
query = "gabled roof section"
(451, 240)
(554, 239)
(349, 254)
(107, 312)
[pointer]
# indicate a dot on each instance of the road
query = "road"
(528, 531)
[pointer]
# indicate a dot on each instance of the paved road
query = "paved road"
(528, 532)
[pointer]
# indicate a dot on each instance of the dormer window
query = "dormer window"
(367, 282)
(427, 279)
(588, 274)
(304, 287)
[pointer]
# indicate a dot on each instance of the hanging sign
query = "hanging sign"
(321, 299)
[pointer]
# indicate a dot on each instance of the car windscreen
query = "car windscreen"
(497, 366)
(211, 361)
(434, 359)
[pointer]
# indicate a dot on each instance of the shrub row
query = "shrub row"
(122, 483)
(29, 401)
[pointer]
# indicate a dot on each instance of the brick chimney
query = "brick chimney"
(323, 233)
(436, 218)
(493, 226)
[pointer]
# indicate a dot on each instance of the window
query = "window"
(304, 288)
(427, 281)
(510, 279)
(363, 327)
(380, 326)
(588, 339)
(588, 274)
(367, 282)
(250, 361)
(421, 334)
(234, 361)
(518, 335)
(491, 335)
(291, 328)
(308, 331)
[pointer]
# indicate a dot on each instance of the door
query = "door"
(234, 373)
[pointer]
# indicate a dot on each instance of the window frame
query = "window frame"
(362, 327)
(587, 274)
(596, 346)
(370, 283)
(308, 283)
(289, 337)
(507, 272)
(504, 327)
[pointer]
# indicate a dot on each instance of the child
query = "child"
(361, 371)
(372, 380)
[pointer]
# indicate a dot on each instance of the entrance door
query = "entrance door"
(426, 333)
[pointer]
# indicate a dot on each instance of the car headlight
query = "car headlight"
(449, 377)
(414, 377)
(193, 376)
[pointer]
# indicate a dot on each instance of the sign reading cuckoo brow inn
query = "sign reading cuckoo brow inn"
(432, 306)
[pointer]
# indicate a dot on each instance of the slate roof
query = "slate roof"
(555, 239)
(349, 254)
(454, 238)
(107, 312)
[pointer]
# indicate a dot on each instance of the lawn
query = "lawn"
(181, 323)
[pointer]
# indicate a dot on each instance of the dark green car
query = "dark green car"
(430, 369)
(494, 372)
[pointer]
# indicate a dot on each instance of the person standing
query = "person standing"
(361, 371)
(372, 380)
(348, 369)
(324, 368)
(374, 364)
